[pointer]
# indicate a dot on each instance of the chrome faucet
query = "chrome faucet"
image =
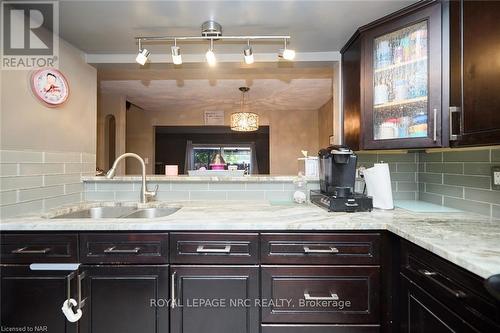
(145, 194)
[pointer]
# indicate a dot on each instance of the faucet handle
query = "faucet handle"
(153, 193)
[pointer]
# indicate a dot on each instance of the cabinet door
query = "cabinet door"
(402, 66)
(32, 300)
(475, 71)
(421, 313)
(125, 299)
(223, 287)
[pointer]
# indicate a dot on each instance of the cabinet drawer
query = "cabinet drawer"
(320, 328)
(31, 248)
(214, 248)
(461, 291)
(124, 248)
(321, 294)
(322, 249)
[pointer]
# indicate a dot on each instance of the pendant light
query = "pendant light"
(244, 121)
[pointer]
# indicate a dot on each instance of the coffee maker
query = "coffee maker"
(337, 175)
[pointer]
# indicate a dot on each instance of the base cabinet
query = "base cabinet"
(222, 286)
(125, 299)
(32, 300)
(421, 313)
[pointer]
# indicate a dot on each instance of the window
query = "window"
(239, 155)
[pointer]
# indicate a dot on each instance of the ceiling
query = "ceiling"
(108, 27)
(265, 94)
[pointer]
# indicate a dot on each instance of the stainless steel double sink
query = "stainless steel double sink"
(119, 212)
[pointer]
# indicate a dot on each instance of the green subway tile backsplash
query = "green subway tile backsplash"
(466, 179)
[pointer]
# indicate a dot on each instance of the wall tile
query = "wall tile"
(431, 157)
(115, 186)
(436, 178)
(279, 196)
(404, 196)
(189, 186)
(406, 167)
(452, 191)
(12, 156)
(367, 158)
(483, 169)
(128, 196)
(173, 196)
(483, 195)
(40, 193)
(434, 167)
(226, 186)
(265, 186)
(72, 167)
(496, 211)
(8, 169)
(99, 196)
(470, 206)
(467, 156)
(407, 187)
(468, 181)
(432, 198)
(88, 158)
(61, 179)
(62, 200)
(451, 167)
(23, 208)
(495, 155)
(208, 195)
(8, 197)
(62, 157)
(73, 188)
(12, 183)
(246, 195)
(388, 158)
(403, 176)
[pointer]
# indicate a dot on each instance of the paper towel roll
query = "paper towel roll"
(378, 185)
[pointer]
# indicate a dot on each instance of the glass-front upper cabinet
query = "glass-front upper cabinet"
(402, 105)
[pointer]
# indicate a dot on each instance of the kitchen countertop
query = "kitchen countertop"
(468, 240)
(185, 178)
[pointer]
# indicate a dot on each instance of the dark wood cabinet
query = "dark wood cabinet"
(475, 72)
(224, 287)
(125, 299)
(32, 300)
(392, 81)
(422, 313)
(437, 296)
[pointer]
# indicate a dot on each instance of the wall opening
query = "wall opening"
(110, 136)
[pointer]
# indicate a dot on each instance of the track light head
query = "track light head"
(210, 55)
(248, 54)
(142, 56)
(287, 54)
(176, 55)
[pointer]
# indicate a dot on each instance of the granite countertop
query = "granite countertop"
(468, 240)
(185, 178)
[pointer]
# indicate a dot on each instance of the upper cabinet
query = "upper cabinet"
(475, 72)
(401, 73)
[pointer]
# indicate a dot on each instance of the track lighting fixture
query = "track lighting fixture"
(211, 31)
(176, 54)
(287, 54)
(210, 55)
(142, 56)
(248, 54)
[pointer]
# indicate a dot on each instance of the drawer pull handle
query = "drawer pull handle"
(225, 249)
(332, 297)
(431, 276)
(113, 249)
(172, 291)
(331, 249)
(26, 250)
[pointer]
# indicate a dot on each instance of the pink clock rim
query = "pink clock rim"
(35, 91)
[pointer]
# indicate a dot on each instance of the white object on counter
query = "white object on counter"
(311, 166)
(378, 185)
(171, 170)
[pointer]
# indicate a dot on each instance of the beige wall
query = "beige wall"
(28, 124)
(325, 124)
(109, 104)
(290, 132)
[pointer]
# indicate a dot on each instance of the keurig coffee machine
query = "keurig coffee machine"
(337, 175)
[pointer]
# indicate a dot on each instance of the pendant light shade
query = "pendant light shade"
(244, 121)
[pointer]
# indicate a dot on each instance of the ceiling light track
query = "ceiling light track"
(211, 31)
